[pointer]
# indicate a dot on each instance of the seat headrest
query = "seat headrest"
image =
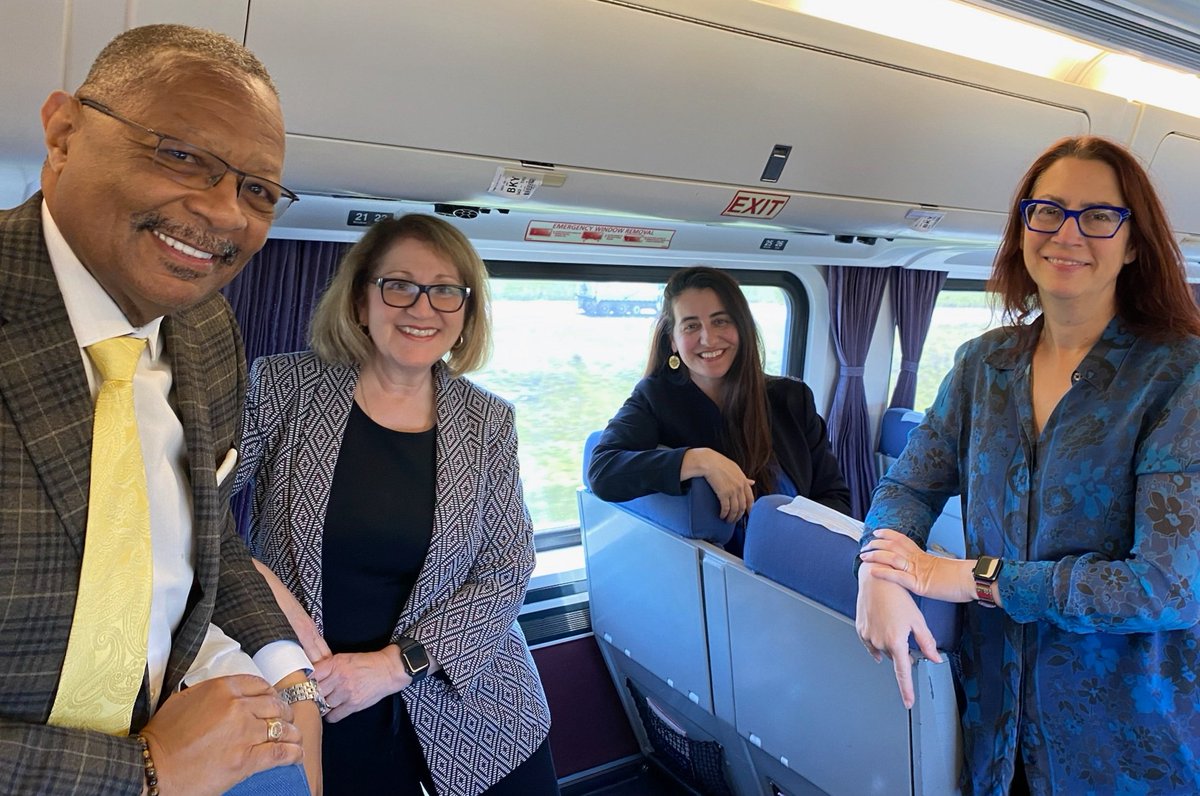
(895, 427)
(696, 514)
(818, 563)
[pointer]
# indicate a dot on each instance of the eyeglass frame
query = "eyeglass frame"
(213, 180)
(1025, 204)
(421, 290)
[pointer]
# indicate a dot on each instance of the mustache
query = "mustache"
(225, 250)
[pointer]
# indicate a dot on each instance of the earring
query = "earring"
(673, 362)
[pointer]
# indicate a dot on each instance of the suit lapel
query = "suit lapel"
(191, 401)
(42, 381)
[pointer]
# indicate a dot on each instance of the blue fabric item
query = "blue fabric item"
(1090, 667)
(279, 781)
(894, 429)
(818, 563)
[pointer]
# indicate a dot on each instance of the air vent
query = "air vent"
(1166, 32)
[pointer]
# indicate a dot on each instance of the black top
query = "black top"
(641, 451)
(377, 531)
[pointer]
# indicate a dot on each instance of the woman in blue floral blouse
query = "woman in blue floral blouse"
(1074, 437)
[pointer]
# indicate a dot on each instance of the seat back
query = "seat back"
(894, 429)
(696, 514)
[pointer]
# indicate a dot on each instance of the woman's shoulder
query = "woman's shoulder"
(462, 390)
(294, 369)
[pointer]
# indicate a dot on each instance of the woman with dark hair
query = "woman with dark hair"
(706, 409)
(388, 508)
(1074, 437)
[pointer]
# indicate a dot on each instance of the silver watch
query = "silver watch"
(305, 691)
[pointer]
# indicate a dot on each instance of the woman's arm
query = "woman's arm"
(1156, 587)
(461, 630)
(627, 462)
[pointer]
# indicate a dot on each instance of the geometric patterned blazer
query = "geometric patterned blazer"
(45, 453)
(489, 713)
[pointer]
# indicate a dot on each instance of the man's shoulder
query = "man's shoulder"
(21, 239)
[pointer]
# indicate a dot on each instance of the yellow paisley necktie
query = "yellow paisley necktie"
(106, 653)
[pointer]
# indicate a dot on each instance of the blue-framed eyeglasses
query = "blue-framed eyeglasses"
(193, 167)
(401, 293)
(1097, 221)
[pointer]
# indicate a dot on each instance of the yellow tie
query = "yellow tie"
(106, 654)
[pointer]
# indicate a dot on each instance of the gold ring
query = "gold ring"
(274, 729)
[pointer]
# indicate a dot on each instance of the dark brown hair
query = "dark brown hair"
(1152, 294)
(747, 429)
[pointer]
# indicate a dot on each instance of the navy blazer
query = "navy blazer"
(641, 451)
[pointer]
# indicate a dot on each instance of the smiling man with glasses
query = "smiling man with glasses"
(121, 386)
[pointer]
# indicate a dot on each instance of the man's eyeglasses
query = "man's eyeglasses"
(401, 293)
(198, 168)
(1097, 221)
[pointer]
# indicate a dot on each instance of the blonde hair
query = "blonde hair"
(335, 333)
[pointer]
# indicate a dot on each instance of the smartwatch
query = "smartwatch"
(987, 569)
(301, 692)
(413, 657)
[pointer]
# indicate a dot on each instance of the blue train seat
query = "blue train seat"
(769, 668)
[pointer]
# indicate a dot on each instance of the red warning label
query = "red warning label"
(599, 234)
(753, 204)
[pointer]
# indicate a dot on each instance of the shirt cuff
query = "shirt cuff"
(219, 656)
(280, 658)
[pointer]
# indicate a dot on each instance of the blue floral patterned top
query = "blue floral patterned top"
(1092, 665)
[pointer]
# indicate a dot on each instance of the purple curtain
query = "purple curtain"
(855, 295)
(274, 296)
(1196, 292)
(913, 295)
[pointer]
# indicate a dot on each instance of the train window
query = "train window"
(568, 352)
(963, 311)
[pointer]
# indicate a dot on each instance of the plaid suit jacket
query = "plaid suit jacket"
(45, 451)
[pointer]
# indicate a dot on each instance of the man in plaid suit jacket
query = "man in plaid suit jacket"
(116, 225)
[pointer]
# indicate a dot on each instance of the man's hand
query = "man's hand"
(207, 738)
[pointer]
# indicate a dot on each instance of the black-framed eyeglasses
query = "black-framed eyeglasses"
(401, 293)
(1096, 221)
(191, 166)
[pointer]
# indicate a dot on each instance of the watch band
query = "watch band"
(301, 692)
(986, 571)
(414, 658)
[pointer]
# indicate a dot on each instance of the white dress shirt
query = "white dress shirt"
(95, 317)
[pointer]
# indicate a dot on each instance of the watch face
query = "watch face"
(415, 659)
(987, 568)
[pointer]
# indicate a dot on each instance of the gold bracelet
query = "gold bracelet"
(148, 764)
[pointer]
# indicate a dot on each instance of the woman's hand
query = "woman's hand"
(352, 681)
(732, 487)
(886, 615)
(302, 624)
(902, 562)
